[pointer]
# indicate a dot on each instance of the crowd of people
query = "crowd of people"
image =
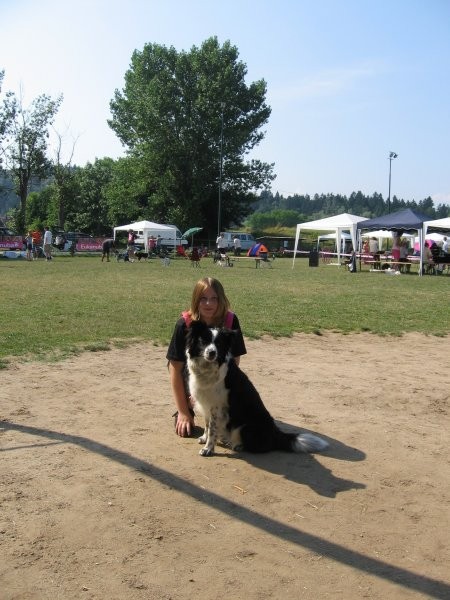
(400, 251)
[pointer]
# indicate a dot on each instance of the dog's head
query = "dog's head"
(209, 344)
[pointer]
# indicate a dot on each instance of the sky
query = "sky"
(348, 81)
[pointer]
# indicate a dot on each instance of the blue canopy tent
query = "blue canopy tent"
(403, 221)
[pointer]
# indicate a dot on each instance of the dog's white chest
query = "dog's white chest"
(207, 386)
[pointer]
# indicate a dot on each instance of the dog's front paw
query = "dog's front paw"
(202, 439)
(238, 447)
(206, 452)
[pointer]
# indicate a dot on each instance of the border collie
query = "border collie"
(140, 254)
(233, 410)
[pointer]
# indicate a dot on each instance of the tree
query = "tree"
(127, 192)
(23, 138)
(90, 210)
(38, 208)
(63, 175)
(171, 115)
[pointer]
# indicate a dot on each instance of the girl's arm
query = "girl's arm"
(185, 421)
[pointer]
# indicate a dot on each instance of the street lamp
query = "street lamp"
(392, 155)
(222, 106)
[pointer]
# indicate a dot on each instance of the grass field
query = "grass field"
(51, 309)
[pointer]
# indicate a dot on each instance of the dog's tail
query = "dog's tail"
(301, 443)
(307, 442)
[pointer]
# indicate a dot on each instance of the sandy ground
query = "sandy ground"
(100, 500)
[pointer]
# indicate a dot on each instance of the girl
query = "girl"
(210, 305)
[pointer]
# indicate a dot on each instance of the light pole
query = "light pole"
(392, 155)
(222, 106)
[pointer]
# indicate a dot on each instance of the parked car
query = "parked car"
(6, 231)
(65, 240)
(247, 240)
(73, 236)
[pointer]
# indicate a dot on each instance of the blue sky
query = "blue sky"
(348, 81)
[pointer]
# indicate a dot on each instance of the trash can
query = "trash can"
(313, 258)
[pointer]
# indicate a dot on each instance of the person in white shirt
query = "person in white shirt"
(445, 245)
(375, 251)
(48, 238)
(237, 246)
(221, 243)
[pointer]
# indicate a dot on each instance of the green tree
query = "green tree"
(24, 137)
(178, 114)
(63, 181)
(127, 192)
(89, 211)
(37, 212)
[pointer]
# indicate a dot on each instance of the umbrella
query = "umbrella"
(192, 231)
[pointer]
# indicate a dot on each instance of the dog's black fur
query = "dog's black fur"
(139, 254)
(231, 405)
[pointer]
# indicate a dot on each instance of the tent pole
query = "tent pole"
(297, 235)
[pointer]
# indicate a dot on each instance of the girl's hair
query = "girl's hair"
(223, 303)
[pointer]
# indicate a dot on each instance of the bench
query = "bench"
(386, 263)
(258, 260)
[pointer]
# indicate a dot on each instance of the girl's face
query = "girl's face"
(208, 305)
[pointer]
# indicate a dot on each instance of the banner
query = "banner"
(87, 244)
(11, 242)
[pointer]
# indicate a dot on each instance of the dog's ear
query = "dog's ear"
(197, 327)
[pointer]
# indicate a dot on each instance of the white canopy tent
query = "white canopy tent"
(443, 225)
(345, 237)
(338, 224)
(432, 237)
(144, 229)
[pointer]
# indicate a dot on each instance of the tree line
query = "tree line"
(276, 211)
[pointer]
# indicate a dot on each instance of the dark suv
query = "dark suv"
(6, 231)
(73, 236)
(65, 240)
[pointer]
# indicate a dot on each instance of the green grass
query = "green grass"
(51, 310)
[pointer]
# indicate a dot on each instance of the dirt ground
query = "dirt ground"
(100, 499)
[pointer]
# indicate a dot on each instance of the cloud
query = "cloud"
(324, 84)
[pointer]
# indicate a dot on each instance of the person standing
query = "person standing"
(37, 239)
(221, 243)
(396, 253)
(151, 245)
(48, 238)
(237, 245)
(375, 251)
(404, 251)
(29, 245)
(131, 245)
